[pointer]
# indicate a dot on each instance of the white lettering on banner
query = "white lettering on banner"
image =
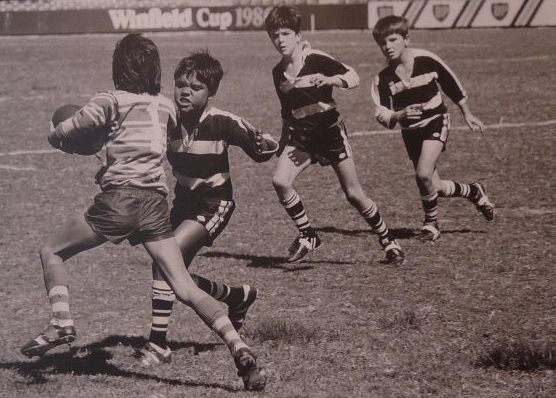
(207, 19)
(154, 18)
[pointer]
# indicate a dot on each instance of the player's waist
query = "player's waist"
(313, 109)
(205, 192)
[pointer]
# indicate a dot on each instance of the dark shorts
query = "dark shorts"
(213, 214)
(138, 215)
(436, 130)
(326, 146)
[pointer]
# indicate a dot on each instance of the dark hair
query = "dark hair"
(207, 69)
(283, 17)
(390, 25)
(136, 65)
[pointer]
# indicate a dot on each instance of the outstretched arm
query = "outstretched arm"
(257, 145)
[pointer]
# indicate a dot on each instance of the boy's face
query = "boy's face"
(285, 40)
(393, 46)
(190, 94)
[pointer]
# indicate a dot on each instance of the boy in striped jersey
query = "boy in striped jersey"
(203, 203)
(132, 204)
(313, 131)
(407, 92)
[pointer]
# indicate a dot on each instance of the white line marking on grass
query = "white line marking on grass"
(15, 168)
(490, 126)
(354, 134)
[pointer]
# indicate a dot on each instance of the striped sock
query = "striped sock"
(295, 209)
(377, 224)
(162, 303)
(230, 295)
(430, 206)
(453, 189)
(59, 302)
(210, 311)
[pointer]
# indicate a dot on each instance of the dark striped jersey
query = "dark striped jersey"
(135, 150)
(200, 159)
(390, 94)
(303, 104)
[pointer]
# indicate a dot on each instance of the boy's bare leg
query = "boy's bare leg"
(167, 255)
(291, 163)
(191, 237)
(74, 237)
(426, 179)
(347, 175)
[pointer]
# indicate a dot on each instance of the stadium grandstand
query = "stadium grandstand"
(51, 5)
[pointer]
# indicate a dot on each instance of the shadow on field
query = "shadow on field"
(397, 233)
(271, 261)
(94, 360)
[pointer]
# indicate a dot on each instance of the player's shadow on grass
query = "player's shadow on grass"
(94, 359)
(397, 233)
(272, 261)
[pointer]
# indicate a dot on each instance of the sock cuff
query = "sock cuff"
(430, 197)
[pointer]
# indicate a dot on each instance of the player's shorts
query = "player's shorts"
(138, 215)
(436, 130)
(213, 214)
(326, 146)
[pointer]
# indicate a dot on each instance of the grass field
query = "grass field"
(471, 316)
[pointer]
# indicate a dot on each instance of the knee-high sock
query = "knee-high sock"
(163, 298)
(377, 224)
(230, 295)
(211, 312)
(296, 210)
(59, 302)
(453, 189)
(430, 206)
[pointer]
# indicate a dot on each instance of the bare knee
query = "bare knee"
(425, 179)
(355, 197)
(281, 184)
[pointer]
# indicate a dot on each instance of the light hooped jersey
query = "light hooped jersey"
(390, 94)
(135, 150)
(304, 105)
(200, 159)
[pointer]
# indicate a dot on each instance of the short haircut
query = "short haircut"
(287, 17)
(207, 69)
(389, 25)
(136, 65)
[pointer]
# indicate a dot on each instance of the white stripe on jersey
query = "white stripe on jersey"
(207, 147)
(193, 183)
(420, 52)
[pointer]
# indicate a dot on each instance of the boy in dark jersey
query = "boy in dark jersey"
(313, 131)
(203, 203)
(132, 204)
(407, 92)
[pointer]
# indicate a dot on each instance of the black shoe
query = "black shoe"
(394, 253)
(254, 378)
(238, 313)
(53, 336)
(429, 233)
(482, 203)
(305, 243)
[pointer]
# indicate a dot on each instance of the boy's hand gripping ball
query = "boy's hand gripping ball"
(79, 142)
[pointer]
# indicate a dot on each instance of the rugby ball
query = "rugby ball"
(80, 142)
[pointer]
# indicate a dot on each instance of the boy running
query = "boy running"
(313, 131)
(132, 204)
(203, 203)
(407, 92)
